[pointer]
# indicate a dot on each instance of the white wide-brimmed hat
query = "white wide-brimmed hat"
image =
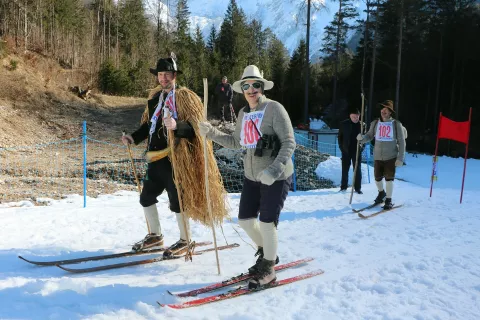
(251, 73)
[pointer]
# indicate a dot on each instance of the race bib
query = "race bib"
(384, 131)
(251, 124)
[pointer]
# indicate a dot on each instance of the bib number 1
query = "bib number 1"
(251, 134)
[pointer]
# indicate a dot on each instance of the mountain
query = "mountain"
(284, 17)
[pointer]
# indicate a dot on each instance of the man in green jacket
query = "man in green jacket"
(389, 150)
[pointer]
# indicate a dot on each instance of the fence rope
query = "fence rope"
(56, 169)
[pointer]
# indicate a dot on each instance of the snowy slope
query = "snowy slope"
(417, 262)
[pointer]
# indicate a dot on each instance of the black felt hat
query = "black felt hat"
(165, 64)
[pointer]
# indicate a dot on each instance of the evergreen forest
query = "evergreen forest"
(424, 55)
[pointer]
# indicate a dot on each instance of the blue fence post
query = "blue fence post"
(294, 173)
(84, 163)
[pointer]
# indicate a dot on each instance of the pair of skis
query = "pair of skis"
(383, 210)
(60, 263)
(242, 290)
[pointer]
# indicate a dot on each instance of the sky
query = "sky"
(418, 262)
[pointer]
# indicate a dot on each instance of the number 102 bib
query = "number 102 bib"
(384, 131)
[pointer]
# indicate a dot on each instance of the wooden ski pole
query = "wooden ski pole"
(136, 176)
(205, 159)
(363, 106)
(358, 148)
(190, 246)
(133, 165)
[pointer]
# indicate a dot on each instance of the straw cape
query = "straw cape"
(189, 164)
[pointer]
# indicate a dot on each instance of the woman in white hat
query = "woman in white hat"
(266, 132)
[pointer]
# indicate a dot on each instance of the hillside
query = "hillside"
(36, 105)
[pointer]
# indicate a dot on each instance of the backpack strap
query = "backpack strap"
(396, 131)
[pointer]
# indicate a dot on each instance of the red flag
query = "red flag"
(453, 130)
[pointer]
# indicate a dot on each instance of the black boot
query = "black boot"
(265, 275)
(388, 204)
(254, 269)
(381, 197)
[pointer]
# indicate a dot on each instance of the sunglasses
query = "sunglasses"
(255, 85)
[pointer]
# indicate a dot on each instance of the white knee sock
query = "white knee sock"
(153, 222)
(379, 185)
(253, 230)
(181, 227)
(389, 187)
(270, 240)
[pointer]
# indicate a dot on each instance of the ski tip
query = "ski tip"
(170, 293)
(164, 305)
(304, 260)
(34, 262)
(317, 272)
(67, 269)
(362, 216)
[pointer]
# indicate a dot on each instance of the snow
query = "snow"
(420, 261)
(331, 169)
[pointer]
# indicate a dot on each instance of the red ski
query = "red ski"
(234, 280)
(240, 291)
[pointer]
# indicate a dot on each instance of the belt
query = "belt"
(153, 156)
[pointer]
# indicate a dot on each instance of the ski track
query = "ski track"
(418, 262)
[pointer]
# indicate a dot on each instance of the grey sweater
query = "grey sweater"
(275, 121)
(387, 150)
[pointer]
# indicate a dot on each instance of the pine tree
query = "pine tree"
(234, 43)
(199, 63)
(213, 53)
(182, 33)
(212, 39)
(159, 11)
(295, 83)
(278, 58)
(334, 42)
(258, 41)
(133, 30)
(183, 43)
